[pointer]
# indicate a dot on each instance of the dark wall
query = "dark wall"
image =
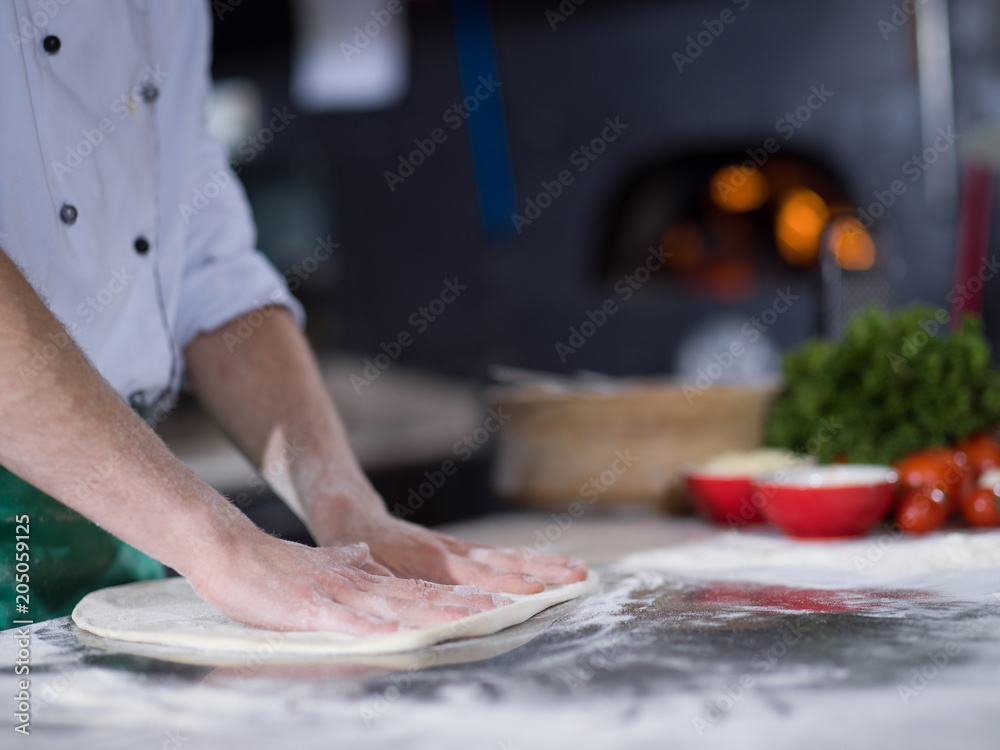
(608, 59)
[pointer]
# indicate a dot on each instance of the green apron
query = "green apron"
(70, 556)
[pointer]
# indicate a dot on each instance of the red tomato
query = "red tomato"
(981, 507)
(920, 511)
(942, 469)
(983, 451)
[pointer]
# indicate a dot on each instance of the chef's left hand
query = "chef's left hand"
(406, 550)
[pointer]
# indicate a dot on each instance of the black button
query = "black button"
(51, 44)
(149, 92)
(67, 213)
(141, 245)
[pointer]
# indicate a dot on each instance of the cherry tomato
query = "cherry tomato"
(920, 511)
(983, 451)
(981, 507)
(942, 469)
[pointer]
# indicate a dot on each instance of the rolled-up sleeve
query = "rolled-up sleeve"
(224, 276)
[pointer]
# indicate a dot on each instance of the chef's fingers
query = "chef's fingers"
(533, 554)
(549, 568)
(463, 548)
(404, 610)
(492, 578)
(436, 593)
(523, 553)
(351, 554)
(323, 614)
(375, 569)
(359, 556)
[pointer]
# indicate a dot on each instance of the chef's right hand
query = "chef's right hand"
(279, 585)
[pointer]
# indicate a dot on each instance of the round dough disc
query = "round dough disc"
(168, 612)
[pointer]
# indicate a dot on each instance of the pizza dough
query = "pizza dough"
(168, 612)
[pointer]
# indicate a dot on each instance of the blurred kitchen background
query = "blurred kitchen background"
(826, 150)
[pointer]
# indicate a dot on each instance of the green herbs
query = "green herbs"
(896, 383)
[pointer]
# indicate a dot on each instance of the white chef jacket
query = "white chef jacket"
(118, 207)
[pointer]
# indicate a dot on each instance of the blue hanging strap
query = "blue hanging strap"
(491, 158)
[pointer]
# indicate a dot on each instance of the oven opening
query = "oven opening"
(727, 220)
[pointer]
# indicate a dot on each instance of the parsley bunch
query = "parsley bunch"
(896, 383)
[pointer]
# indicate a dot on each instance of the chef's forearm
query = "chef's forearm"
(65, 430)
(268, 395)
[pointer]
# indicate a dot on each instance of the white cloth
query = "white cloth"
(112, 124)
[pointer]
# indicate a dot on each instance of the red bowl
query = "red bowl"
(723, 498)
(828, 501)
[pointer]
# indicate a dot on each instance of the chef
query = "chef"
(115, 292)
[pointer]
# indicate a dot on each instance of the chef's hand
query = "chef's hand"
(410, 551)
(280, 585)
(269, 396)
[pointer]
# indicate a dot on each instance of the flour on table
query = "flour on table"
(770, 558)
